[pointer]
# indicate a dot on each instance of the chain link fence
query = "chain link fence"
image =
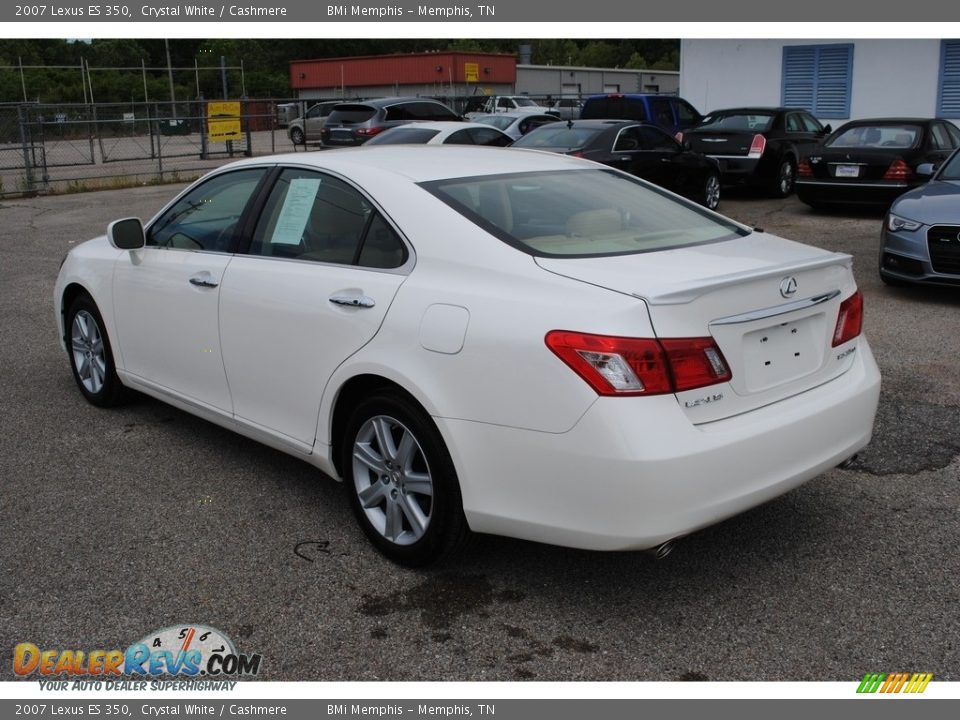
(63, 147)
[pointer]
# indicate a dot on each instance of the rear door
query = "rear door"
(314, 286)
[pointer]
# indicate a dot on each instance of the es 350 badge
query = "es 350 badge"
(178, 650)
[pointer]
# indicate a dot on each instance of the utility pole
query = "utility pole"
(173, 99)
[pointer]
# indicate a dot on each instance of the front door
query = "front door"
(166, 294)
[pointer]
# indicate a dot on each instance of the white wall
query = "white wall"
(890, 77)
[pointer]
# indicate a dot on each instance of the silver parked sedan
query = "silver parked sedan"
(920, 240)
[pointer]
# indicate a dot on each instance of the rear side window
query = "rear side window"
(941, 138)
(317, 217)
(616, 107)
(662, 113)
(351, 114)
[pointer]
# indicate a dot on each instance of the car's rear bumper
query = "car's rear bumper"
(838, 192)
(634, 472)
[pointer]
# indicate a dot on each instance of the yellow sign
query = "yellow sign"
(471, 72)
(223, 121)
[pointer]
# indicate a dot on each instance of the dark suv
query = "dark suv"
(354, 123)
(669, 112)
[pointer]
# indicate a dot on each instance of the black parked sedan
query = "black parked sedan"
(642, 150)
(872, 162)
(758, 146)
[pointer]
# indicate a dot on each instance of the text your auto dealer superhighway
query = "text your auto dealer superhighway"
(212, 11)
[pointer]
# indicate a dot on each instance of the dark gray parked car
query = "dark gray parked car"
(920, 240)
(354, 123)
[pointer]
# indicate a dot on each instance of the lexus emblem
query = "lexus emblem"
(788, 287)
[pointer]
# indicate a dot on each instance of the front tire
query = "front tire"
(91, 357)
(711, 192)
(786, 178)
(401, 481)
(297, 137)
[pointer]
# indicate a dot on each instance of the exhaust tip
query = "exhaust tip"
(661, 551)
(848, 462)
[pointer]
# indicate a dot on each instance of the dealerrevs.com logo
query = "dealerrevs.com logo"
(891, 683)
(181, 650)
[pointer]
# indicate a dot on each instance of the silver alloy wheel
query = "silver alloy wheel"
(296, 136)
(786, 177)
(712, 192)
(89, 355)
(392, 480)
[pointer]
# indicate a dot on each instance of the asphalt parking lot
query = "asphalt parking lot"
(120, 522)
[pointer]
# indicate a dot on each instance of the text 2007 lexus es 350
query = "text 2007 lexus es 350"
(483, 339)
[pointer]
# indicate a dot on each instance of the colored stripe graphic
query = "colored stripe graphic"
(894, 683)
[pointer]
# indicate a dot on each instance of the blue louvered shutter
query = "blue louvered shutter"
(817, 78)
(948, 91)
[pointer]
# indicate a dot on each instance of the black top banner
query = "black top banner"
(492, 11)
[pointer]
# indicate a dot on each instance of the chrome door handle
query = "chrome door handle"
(360, 301)
(200, 282)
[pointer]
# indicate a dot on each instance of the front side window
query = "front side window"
(580, 213)
(206, 218)
(317, 217)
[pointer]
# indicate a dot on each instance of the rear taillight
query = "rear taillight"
(757, 147)
(898, 170)
(640, 366)
(369, 132)
(576, 153)
(804, 169)
(849, 319)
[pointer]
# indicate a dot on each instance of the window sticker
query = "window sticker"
(295, 211)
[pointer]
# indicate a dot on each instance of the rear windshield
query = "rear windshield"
(745, 122)
(403, 136)
(498, 121)
(580, 213)
(876, 136)
(613, 108)
(558, 138)
(351, 114)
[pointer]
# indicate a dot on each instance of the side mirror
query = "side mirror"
(126, 234)
(686, 145)
(926, 170)
(826, 131)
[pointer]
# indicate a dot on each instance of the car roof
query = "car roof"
(889, 121)
(443, 125)
(381, 102)
(422, 163)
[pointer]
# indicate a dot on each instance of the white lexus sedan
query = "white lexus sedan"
(483, 340)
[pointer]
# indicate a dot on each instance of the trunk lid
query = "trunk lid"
(853, 165)
(770, 304)
(720, 142)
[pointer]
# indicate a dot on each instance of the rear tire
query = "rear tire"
(711, 192)
(786, 177)
(91, 357)
(401, 481)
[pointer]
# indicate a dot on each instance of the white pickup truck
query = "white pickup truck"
(488, 104)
